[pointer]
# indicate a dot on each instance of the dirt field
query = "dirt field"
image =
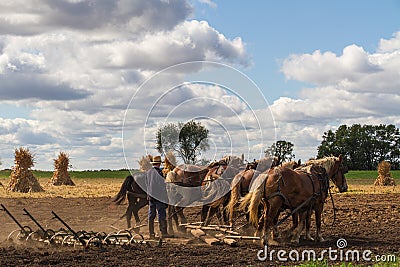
(366, 221)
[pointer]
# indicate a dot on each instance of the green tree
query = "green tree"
(188, 140)
(283, 150)
(363, 147)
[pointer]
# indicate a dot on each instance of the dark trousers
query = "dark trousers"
(157, 208)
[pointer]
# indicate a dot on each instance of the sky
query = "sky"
(96, 79)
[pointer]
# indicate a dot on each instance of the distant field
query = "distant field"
(123, 173)
(76, 174)
(369, 174)
(106, 183)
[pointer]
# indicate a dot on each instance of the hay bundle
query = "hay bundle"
(145, 163)
(21, 178)
(60, 174)
(384, 176)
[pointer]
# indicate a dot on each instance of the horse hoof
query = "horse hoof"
(295, 241)
(310, 238)
(273, 243)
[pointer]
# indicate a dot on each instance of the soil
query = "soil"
(365, 221)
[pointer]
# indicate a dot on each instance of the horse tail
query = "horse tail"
(254, 200)
(126, 186)
(235, 195)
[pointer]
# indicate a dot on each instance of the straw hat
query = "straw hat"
(156, 160)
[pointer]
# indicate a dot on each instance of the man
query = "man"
(157, 197)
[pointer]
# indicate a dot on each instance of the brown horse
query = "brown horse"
(297, 189)
(241, 182)
(133, 187)
(217, 182)
(184, 189)
(335, 175)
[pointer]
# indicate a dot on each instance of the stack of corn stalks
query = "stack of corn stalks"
(384, 177)
(61, 175)
(145, 163)
(21, 178)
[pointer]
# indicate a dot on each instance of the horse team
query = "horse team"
(259, 190)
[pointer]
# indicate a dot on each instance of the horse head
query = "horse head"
(337, 172)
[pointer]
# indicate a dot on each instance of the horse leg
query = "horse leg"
(296, 236)
(204, 213)
(128, 215)
(275, 232)
(129, 210)
(171, 213)
(271, 210)
(225, 216)
(135, 211)
(318, 213)
(182, 217)
(210, 214)
(308, 225)
(219, 216)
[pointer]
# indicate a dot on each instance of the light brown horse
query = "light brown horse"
(335, 175)
(297, 189)
(241, 183)
(181, 182)
(218, 179)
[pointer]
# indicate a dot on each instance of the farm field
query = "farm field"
(367, 218)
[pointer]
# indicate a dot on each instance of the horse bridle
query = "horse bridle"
(343, 171)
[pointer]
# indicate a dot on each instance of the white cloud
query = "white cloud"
(209, 3)
(76, 64)
(355, 87)
(327, 68)
(391, 45)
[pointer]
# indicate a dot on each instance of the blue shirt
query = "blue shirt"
(156, 185)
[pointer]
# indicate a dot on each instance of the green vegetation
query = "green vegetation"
(363, 146)
(369, 174)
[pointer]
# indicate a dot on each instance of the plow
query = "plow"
(68, 236)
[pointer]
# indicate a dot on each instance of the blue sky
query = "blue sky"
(272, 30)
(69, 68)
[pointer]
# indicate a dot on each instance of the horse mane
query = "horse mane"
(169, 163)
(327, 163)
(145, 163)
(291, 164)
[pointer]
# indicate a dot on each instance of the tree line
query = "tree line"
(363, 147)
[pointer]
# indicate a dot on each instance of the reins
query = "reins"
(333, 207)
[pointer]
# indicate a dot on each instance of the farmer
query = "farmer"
(157, 197)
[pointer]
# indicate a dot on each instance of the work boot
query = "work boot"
(151, 229)
(163, 229)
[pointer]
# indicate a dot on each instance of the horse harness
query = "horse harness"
(323, 179)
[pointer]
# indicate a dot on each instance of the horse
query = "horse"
(241, 182)
(137, 196)
(335, 175)
(181, 182)
(297, 189)
(217, 180)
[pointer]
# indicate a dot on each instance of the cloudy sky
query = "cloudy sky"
(96, 78)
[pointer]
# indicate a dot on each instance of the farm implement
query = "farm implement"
(215, 234)
(68, 236)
